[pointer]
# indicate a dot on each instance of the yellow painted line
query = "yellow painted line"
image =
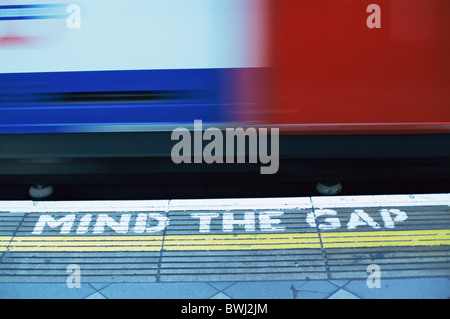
(241, 247)
(4, 242)
(83, 239)
(384, 244)
(245, 236)
(225, 242)
(84, 249)
(219, 242)
(241, 241)
(386, 238)
(5, 238)
(85, 243)
(386, 233)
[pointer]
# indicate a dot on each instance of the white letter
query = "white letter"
(119, 227)
(229, 221)
(400, 216)
(184, 145)
(66, 221)
(360, 218)
(333, 222)
(265, 221)
(84, 224)
(141, 223)
(374, 20)
(73, 21)
(205, 220)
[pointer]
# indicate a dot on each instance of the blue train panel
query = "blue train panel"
(110, 100)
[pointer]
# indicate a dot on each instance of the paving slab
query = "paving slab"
(405, 288)
(96, 295)
(221, 285)
(314, 289)
(43, 291)
(261, 290)
(343, 294)
(183, 290)
(220, 295)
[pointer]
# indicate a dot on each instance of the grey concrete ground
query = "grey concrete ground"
(405, 288)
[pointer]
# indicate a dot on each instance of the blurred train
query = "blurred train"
(94, 88)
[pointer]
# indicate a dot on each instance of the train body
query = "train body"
(361, 65)
(339, 78)
(310, 66)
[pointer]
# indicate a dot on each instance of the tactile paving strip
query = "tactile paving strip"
(219, 240)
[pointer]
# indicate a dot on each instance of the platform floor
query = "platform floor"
(308, 247)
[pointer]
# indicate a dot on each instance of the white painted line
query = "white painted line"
(226, 204)
(84, 206)
(241, 203)
(381, 201)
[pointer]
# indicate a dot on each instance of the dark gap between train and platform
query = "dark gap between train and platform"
(237, 189)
